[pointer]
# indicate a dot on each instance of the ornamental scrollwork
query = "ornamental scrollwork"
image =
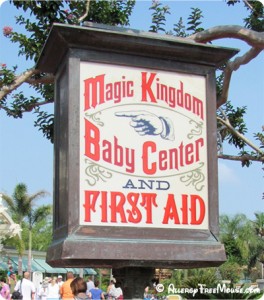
(198, 129)
(95, 173)
(95, 118)
(194, 177)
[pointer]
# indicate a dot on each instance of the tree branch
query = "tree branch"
(251, 37)
(233, 66)
(241, 136)
(47, 79)
(5, 90)
(28, 109)
(86, 11)
(241, 158)
(248, 5)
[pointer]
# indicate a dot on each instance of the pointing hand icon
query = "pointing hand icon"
(145, 123)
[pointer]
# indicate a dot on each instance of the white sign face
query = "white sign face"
(143, 148)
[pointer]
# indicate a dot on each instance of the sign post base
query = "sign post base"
(110, 252)
(134, 280)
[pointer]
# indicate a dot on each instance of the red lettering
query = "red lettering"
(92, 137)
(139, 208)
(89, 204)
(96, 91)
(171, 159)
(198, 144)
(93, 89)
(134, 214)
(146, 87)
(170, 211)
(184, 209)
(180, 95)
(104, 207)
(145, 155)
(148, 201)
(189, 154)
(197, 201)
(117, 206)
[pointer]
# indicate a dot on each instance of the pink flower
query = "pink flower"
(3, 65)
(7, 30)
(70, 16)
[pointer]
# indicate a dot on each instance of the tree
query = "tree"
(21, 207)
(259, 224)
(231, 270)
(243, 245)
(231, 124)
(232, 234)
(41, 234)
(45, 13)
(34, 216)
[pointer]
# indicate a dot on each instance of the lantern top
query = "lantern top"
(112, 39)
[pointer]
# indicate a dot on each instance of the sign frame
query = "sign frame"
(107, 246)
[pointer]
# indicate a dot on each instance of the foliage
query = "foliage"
(7, 76)
(195, 20)
(111, 12)
(232, 234)
(231, 270)
(45, 122)
(115, 12)
(236, 119)
(41, 235)
(243, 244)
(259, 224)
(201, 277)
(20, 203)
(43, 15)
(158, 16)
(15, 242)
(255, 20)
(21, 208)
(179, 29)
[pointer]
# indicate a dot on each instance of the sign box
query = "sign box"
(135, 179)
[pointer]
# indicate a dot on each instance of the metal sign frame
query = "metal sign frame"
(78, 245)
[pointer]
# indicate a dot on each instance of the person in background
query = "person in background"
(118, 291)
(65, 289)
(5, 289)
(90, 284)
(10, 271)
(11, 276)
(79, 288)
(26, 287)
(146, 291)
(60, 281)
(53, 289)
(38, 289)
(111, 289)
(96, 293)
(43, 290)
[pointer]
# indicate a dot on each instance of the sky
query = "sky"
(26, 156)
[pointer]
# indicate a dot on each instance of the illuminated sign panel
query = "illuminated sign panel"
(143, 148)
